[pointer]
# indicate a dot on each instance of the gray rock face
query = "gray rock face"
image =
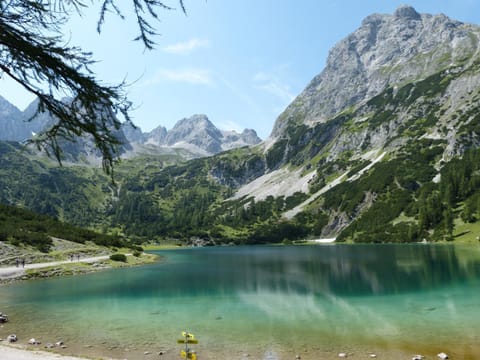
(156, 136)
(407, 12)
(197, 134)
(196, 130)
(10, 121)
(385, 51)
(16, 125)
(132, 134)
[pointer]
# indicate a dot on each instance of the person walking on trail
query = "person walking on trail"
(23, 263)
(17, 262)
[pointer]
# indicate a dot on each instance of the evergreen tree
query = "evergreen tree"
(33, 52)
(448, 223)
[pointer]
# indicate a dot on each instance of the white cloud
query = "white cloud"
(186, 47)
(273, 85)
(230, 125)
(186, 75)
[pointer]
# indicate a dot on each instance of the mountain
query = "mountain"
(387, 50)
(382, 146)
(403, 86)
(16, 125)
(9, 116)
(196, 136)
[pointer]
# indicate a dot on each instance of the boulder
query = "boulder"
(442, 356)
(418, 357)
(12, 338)
(3, 318)
(33, 341)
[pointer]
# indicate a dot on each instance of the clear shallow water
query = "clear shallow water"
(268, 302)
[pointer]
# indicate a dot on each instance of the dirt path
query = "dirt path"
(14, 271)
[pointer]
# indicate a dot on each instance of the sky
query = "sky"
(240, 62)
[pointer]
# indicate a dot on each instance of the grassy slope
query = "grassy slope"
(467, 233)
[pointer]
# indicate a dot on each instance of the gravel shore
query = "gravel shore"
(16, 353)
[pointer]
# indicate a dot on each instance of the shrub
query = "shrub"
(118, 257)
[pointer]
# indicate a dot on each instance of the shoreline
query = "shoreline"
(13, 352)
(266, 352)
(82, 266)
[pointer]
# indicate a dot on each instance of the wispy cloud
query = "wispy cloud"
(186, 47)
(229, 125)
(186, 75)
(272, 84)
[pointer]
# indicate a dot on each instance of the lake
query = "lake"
(263, 302)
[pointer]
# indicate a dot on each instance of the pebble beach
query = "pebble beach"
(17, 353)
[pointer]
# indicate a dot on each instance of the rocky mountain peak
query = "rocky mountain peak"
(197, 130)
(196, 134)
(384, 51)
(8, 109)
(157, 136)
(407, 12)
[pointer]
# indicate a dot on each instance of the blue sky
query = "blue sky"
(240, 62)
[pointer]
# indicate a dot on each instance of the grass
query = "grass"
(467, 233)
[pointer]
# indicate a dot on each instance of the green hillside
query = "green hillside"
(23, 227)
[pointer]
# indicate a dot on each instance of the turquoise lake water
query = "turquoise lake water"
(264, 303)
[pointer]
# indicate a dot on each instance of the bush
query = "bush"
(137, 248)
(118, 257)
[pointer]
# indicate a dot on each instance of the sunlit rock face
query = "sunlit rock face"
(384, 51)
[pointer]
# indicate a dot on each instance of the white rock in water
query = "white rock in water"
(59, 343)
(442, 356)
(32, 341)
(342, 355)
(373, 356)
(12, 338)
(418, 357)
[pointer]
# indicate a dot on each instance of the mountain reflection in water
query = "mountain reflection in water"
(264, 299)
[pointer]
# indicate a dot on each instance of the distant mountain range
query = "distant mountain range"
(196, 135)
